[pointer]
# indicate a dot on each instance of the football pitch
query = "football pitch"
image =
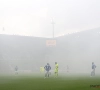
(27, 82)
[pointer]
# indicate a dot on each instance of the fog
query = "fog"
(26, 26)
(77, 50)
(33, 17)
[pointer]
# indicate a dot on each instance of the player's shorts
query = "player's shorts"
(16, 72)
(47, 73)
(56, 71)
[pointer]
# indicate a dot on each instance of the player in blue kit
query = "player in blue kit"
(47, 69)
(93, 69)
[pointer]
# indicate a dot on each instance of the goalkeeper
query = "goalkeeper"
(56, 69)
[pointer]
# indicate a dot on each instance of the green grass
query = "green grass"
(39, 83)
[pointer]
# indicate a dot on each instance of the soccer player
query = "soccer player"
(41, 69)
(56, 69)
(47, 69)
(93, 69)
(16, 70)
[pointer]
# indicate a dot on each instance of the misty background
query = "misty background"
(77, 50)
(34, 17)
(25, 25)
